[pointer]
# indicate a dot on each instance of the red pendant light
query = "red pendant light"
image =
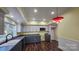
(58, 18)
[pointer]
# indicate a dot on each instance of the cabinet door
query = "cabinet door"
(17, 47)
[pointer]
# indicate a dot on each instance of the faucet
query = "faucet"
(7, 36)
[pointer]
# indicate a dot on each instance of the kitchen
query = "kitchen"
(23, 26)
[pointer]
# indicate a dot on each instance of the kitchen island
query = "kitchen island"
(41, 33)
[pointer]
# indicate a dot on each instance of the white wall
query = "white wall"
(69, 27)
(52, 33)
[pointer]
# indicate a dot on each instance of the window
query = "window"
(9, 27)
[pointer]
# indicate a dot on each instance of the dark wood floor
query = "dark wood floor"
(43, 46)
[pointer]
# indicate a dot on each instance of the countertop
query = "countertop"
(10, 44)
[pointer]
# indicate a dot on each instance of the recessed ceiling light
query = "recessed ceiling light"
(35, 10)
(52, 12)
(33, 19)
(11, 16)
(44, 19)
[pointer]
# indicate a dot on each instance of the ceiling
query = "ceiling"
(26, 14)
(14, 14)
(43, 13)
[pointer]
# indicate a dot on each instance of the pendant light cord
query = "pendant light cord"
(57, 11)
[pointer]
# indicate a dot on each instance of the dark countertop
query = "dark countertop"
(10, 44)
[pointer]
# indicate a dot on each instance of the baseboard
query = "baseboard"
(68, 39)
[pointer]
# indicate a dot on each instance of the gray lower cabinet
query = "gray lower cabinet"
(17, 47)
(32, 39)
(20, 46)
(47, 37)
